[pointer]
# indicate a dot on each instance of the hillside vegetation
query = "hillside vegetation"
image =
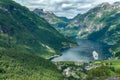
(22, 66)
(24, 39)
(27, 32)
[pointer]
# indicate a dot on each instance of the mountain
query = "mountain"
(24, 39)
(90, 21)
(110, 33)
(59, 23)
(100, 23)
(27, 32)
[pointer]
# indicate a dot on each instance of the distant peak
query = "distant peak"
(39, 10)
(77, 16)
(104, 4)
(43, 11)
(116, 3)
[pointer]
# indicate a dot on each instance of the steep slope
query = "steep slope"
(93, 20)
(23, 66)
(27, 32)
(59, 23)
(22, 34)
(110, 34)
(100, 23)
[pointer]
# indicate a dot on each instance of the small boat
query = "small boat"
(95, 55)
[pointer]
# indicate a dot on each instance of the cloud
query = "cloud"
(67, 8)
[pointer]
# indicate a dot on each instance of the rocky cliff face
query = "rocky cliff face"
(59, 23)
(85, 24)
(101, 23)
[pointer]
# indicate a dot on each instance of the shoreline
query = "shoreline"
(55, 56)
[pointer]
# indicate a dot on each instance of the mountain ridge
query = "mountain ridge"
(58, 23)
(100, 23)
(25, 41)
(25, 31)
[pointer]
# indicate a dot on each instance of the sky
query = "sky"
(66, 8)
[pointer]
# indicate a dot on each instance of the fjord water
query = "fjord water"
(85, 52)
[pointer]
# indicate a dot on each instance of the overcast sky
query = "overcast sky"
(67, 8)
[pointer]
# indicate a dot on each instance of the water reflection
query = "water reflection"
(86, 51)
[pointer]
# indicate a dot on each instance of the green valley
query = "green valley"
(41, 45)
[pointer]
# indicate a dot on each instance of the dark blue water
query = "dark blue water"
(84, 52)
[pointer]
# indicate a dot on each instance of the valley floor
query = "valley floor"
(97, 70)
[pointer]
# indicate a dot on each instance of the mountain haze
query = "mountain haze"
(100, 23)
(59, 23)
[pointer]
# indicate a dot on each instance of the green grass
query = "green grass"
(115, 64)
(100, 73)
(109, 68)
(23, 66)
